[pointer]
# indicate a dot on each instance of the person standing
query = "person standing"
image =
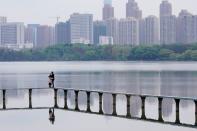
(52, 79)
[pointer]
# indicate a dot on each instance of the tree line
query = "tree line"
(82, 52)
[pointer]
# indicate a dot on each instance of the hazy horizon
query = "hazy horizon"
(45, 11)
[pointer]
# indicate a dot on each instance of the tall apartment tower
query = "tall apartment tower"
(186, 28)
(150, 29)
(128, 31)
(167, 24)
(62, 33)
(112, 29)
(108, 10)
(81, 28)
(99, 30)
(12, 33)
(132, 10)
(31, 34)
(45, 36)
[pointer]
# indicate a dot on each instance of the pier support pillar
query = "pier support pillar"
(143, 98)
(88, 101)
(177, 101)
(55, 98)
(4, 99)
(160, 109)
(101, 103)
(114, 105)
(65, 99)
(195, 112)
(30, 98)
(128, 106)
(76, 101)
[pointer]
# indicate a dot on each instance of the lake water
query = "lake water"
(153, 78)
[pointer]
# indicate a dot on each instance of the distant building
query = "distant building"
(62, 33)
(186, 28)
(105, 40)
(149, 33)
(108, 10)
(31, 34)
(165, 8)
(132, 10)
(3, 20)
(81, 28)
(99, 30)
(112, 29)
(128, 31)
(12, 33)
(45, 36)
(167, 24)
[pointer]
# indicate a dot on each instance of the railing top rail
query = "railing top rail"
(108, 92)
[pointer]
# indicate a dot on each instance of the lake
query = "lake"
(150, 78)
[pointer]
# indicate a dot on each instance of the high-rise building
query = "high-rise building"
(3, 20)
(112, 29)
(128, 31)
(150, 30)
(165, 8)
(31, 34)
(81, 28)
(12, 33)
(99, 30)
(167, 24)
(108, 10)
(62, 33)
(186, 28)
(132, 10)
(45, 36)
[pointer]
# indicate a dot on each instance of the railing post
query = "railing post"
(195, 112)
(177, 101)
(76, 101)
(55, 98)
(100, 103)
(160, 109)
(30, 98)
(114, 105)
(88, 101)
(4, 99)
(65, 99)
(128, 106)
(143, 98)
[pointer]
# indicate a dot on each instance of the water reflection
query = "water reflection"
(52, 115)
(168, 83)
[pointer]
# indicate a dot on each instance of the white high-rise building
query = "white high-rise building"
(81, 28)
(167, 24)
(12, 33)
(186, 28)
(150, 30)
(112, 29)
(128, 31)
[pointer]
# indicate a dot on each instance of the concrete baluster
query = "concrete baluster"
(160, 109)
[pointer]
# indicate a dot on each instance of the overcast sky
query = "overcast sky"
(44, 11)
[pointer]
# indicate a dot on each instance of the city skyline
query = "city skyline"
(32, 12)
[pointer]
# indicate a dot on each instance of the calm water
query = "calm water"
(166, 78)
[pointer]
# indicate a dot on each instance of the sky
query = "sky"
(45, 11)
